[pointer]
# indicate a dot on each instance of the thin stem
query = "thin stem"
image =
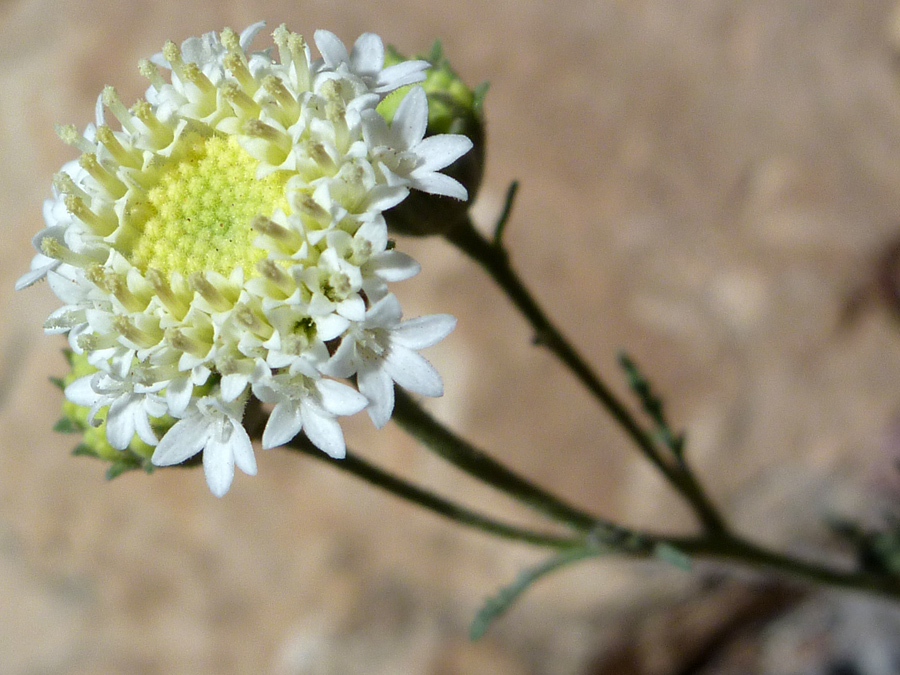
(372, 474)
(495, 261)
(412, 418)
(734, 549)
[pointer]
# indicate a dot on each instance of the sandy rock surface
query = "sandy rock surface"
(706, 183)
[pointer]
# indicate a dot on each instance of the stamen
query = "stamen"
(91, 342)
(278, 233)
(172, 54)
(161, 134)
(238, 99)
(177, 306)
(143, 338)
(195, 76)
(231, 40)
(124, 157)
(110, 183)
(151, 72)
(209, 292)
(112, 101)
(118, 286)
(100, 226)
(237, 66)
(53, 248)
(69, 135)
(274, 273)
(63, 184)
(283, 97)
(185, 343)
(248, 319)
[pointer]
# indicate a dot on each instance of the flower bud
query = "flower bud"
(453, 108)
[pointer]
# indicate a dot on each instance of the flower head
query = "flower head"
(224, 238)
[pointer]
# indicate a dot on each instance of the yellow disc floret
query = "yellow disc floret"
(202, 206)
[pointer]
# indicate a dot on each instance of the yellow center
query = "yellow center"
(201, 208)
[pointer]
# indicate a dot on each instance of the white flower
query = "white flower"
(405, 153)
(213, 428)
(309, 404)
(130, 406)
(228, 236)
(380, 351)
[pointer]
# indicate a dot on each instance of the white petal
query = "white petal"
(411, 119)
(284, 423)
(340, 399)
(368, 54)
(395, 266)
(376, 385)
(423, 331)
(178, 395)
(331, 48)
(218, 466)
(181, 442)
(242, 448)
(233, 386)
(120, 425)
(323, 431)
(442, 150)
(401, 74)
(80, 392)
(413, 372)
(439, 184)
(385, 313)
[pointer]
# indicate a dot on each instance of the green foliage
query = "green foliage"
(652, 406)
(500, 603)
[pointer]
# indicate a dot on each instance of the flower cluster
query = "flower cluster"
(228, 242)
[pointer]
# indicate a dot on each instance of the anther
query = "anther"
(248, 319)
(112, 101)
(310, 207)
(231, 40)
(110, 183)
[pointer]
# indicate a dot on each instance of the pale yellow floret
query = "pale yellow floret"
(203, 206)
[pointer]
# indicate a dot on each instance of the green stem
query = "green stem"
(734, 549)
(494, 259)
(413, 419)
(372, 474)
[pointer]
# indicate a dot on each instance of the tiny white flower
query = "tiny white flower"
(213, 428)
(308, 404)
(405, 153)
(381, 351)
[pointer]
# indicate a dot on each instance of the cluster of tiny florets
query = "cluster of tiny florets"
(227, 241)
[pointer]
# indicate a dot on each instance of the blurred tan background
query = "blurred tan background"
(706, 182)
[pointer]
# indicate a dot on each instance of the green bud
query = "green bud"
(453, 108)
